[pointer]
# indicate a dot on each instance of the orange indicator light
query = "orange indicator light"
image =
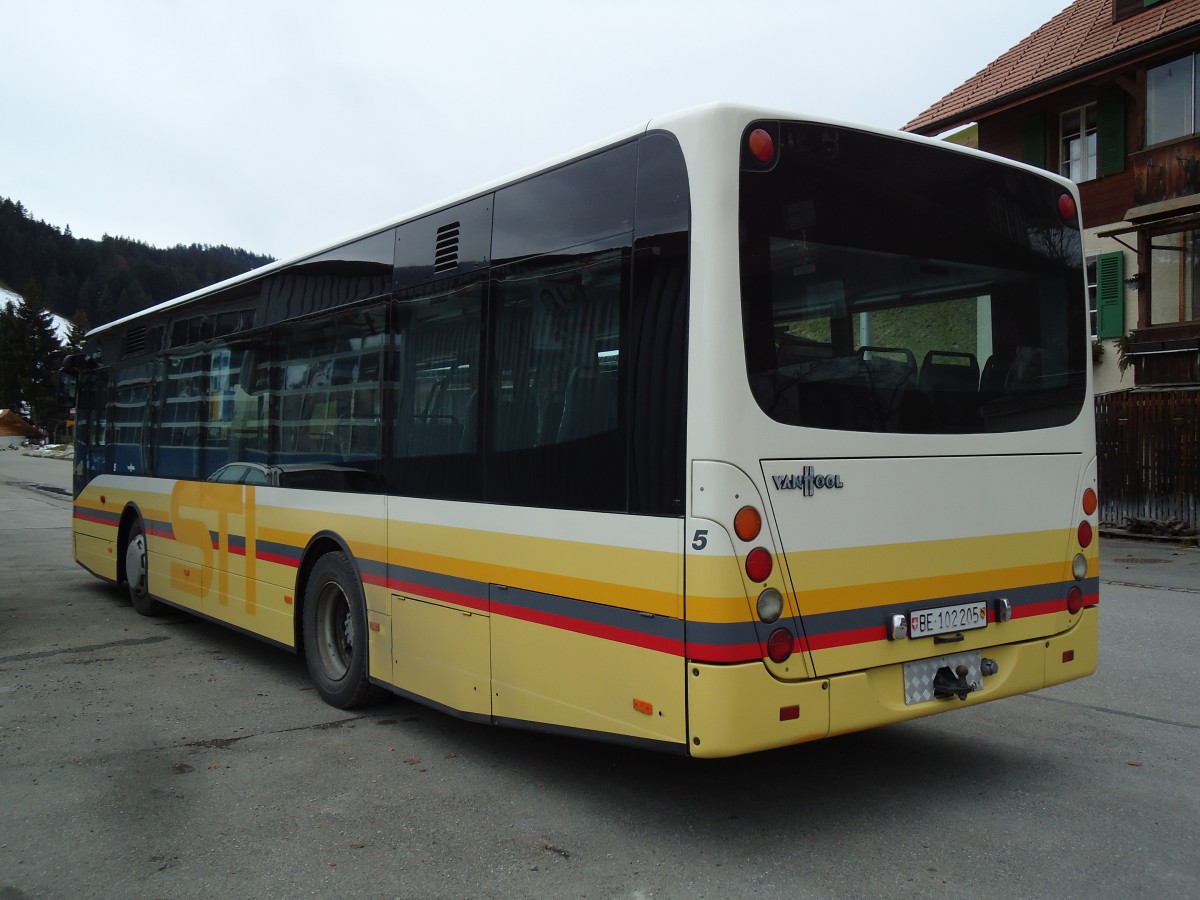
(287, 599)
(643, 706)
(747, 523)
(1089, 502)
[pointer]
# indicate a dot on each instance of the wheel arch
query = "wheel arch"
(319, 544)
(130, 514)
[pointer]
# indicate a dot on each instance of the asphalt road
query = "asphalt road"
(169, 758)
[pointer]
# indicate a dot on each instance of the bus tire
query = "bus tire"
(335, 633)
(136, 571)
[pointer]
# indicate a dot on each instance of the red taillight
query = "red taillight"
(759, 565)
(762, 145)
(1074, 600)
(1089, 502)
(1066, 207)
(779, 645)
(1084, 533)
(747, 523)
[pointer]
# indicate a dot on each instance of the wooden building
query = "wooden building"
(1106, 93)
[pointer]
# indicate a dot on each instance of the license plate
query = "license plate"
(946, 619)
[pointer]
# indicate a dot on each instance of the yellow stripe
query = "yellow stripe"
(832, 580)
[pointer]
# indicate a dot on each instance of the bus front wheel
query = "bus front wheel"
(136, 577)
(335, 633)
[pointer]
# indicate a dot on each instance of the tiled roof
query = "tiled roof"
(1082, 34)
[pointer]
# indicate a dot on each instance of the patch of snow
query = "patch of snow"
(61, 326)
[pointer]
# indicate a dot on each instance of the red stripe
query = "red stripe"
(276, 558)
(423, 590)
(593, 629)
(96, 519)
(1040, 609)
(721, 653)
(846, 638)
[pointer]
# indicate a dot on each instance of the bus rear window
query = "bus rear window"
(890, 286)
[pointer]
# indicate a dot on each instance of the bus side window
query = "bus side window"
(437, 333)
(557, 383)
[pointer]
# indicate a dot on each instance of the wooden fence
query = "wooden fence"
(1148, 444)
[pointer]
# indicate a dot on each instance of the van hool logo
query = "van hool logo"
(808, 481)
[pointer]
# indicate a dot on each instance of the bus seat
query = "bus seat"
(950, 382)
(516, 423)
(467, 442)
(589, 404)
(889, 380)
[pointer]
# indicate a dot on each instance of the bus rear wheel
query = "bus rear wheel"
(335, 633)
(136, 572)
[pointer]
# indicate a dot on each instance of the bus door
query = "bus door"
(91, 427)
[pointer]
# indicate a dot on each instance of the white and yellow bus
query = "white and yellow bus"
(735, 431)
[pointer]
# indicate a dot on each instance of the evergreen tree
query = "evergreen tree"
(10, 340)
(80, 326)
(38, 359)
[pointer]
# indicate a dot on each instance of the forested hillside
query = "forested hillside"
(104, 279)
(89, 283)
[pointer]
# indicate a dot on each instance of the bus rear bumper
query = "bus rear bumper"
(743, 708)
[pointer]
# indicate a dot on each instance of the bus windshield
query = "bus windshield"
(892, 286)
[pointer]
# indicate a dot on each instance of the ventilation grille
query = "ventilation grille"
(135, 341)
(445, 253)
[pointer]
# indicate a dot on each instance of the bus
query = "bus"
(734, 431)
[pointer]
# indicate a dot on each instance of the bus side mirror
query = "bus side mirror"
(68, 378)
(68, 384)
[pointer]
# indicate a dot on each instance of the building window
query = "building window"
(1077, 143)
(1174, 285)
(1171, 100)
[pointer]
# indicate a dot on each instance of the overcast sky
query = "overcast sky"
(283, 126)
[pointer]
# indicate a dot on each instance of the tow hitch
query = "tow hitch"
(947, 683)
(943, 677)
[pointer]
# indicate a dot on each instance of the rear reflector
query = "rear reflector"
(1074, 600)
(1084, 533)
(779, 645)
(759, 564)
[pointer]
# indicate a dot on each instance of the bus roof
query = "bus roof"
(664, 122)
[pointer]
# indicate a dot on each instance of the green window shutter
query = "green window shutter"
(1033, 141)
(1110, 295)
(1110, 122)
